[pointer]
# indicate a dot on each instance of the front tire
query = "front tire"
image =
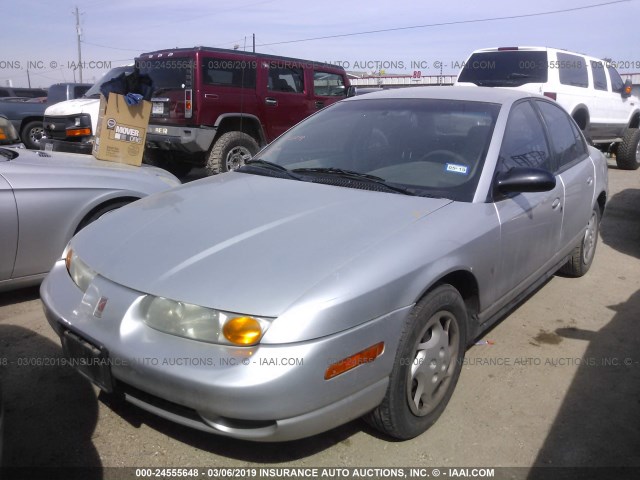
(582, 255)
(31, 135)
(628, 153)
(427, 365)
(231, 150)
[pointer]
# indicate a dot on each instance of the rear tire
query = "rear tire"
(426, 367)
(31, 135)
(231, 150)
(582, 255)
(628, 153)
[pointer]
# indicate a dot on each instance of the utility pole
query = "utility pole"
(79, 32)
(28, 78)
(254, 43)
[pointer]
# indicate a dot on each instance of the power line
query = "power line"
(441, 24)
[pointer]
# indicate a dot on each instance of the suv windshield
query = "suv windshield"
(510, 68)
(424, 146)
(94, 91)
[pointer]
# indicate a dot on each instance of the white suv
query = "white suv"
(591, 90)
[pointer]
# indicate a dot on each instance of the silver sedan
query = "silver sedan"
(47, 197)
(341, 273)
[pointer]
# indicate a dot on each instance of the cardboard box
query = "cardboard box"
(122, 130)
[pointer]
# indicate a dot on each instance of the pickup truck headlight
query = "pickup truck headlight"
(202, 323)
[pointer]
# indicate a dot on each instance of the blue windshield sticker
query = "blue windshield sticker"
(462, 169)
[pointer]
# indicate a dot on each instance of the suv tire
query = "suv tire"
(231, 151)
(628, 153)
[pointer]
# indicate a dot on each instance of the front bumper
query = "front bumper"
(262, 393)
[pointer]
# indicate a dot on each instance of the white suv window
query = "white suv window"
(573, 70)
(599, 77)
(617, 85)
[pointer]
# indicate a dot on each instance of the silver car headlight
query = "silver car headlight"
(201, 323)
(79, 272)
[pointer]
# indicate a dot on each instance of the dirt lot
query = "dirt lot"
(559, 386)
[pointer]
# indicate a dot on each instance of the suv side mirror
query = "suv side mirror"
(525, 179)
(626, 91)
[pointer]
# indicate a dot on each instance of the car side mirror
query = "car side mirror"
(626, 91)
(352, 91)
(525, 179)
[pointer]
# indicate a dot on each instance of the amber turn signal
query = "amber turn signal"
(242, 331)
(365, 356)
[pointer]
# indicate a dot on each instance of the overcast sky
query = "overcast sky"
(41, 36)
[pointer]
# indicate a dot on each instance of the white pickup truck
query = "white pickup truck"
(70, 126)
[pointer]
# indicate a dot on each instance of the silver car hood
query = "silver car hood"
(243, 243)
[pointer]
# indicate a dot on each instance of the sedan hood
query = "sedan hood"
(243, 243)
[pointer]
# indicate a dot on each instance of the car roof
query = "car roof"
(472, 94)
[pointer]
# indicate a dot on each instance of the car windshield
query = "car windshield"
(94, 91)
(428, 147)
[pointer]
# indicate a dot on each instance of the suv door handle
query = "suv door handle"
(319, 104)
(271, 101)
(212, 96)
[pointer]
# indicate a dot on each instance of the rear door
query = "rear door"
(531, 222)
(286, 101)
(227, 86)
(575, 169)
(172, 78)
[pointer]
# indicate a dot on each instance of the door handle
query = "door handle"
(589, 180)
(212, 96)
(270, 101)
(319, 104)
(555, 204)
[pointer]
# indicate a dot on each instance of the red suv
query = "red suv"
(216, 108)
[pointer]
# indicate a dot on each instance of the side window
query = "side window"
(567, 143)
(4, 93)
(286, 79)
(599, 77)
(524, 143)
(573, 70)
(229, 73)
(328, 84)
(617, 85)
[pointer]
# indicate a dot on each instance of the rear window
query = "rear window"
(167, 74)
(573, 70)
(510, 68)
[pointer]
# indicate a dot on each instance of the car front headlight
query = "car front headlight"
(79, 272)
(202, 323)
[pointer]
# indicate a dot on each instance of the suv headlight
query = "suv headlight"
(79, 272)
(201, 323)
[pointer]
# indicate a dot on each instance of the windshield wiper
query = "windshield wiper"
(352, 175)
(266, 165)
